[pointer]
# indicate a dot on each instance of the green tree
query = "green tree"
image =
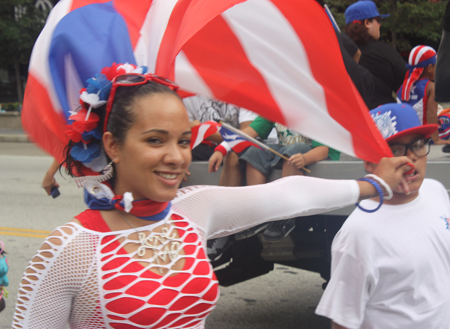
(410, 20)
(20, 25)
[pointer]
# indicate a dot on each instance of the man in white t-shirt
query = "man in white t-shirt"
(391, 268)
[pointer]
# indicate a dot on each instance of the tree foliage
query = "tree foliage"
(20, 24)
(411, 21)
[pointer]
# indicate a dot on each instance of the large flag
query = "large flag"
(279, 58)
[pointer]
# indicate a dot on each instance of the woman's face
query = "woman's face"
(373, 26)
(152, 160)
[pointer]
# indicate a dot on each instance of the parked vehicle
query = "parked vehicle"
(308, 245)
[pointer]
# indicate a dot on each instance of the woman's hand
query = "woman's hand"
(215, 161)
(48, 183)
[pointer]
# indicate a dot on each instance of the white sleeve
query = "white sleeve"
(51, 282)
(246, 115)
(222, 211)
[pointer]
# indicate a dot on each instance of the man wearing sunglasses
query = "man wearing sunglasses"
(391, 268)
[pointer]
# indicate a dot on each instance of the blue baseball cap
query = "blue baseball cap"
(395, 120)
(362, 10)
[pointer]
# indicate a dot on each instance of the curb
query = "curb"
(14, 138)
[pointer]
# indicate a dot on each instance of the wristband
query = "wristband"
(380, 194)
(380, 180)
(223, 148)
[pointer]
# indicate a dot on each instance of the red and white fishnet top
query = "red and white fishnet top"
(89, 281)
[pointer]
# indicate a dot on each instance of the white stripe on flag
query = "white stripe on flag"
(188, 78)
(201, 133)
(283, 62)
(152, 33)
(73, 83)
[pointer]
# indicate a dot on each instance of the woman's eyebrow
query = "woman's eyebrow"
(161, 131)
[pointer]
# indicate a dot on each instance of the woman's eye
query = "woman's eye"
(154, 141)
(185, 142)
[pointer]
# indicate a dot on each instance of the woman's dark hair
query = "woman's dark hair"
(121, 118)
(358, 32)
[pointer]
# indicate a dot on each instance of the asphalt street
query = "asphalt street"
(284, 298)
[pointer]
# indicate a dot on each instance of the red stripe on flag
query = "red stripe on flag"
(237, 82)
(81, 3)
(344, 103)
(40, 121)
(242, 146)
(203, 131)
(188, 16)
(134, 15)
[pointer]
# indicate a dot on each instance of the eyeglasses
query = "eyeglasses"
(420, 148)
(133, 79)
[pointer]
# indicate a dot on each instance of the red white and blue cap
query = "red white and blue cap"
(419, 58)
(361, 10)
(395, 120)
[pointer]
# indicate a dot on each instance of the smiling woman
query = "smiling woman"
(136, 258)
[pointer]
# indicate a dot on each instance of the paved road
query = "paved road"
(285, 298)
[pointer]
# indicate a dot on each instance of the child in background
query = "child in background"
(418, 87)
(301, 152)
(444, 128)
(390, 268)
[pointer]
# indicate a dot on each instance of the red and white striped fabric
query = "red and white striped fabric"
(278, 58)
(203, 131)
(419, 58)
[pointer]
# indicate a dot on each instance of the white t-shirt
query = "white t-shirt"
(391, 269)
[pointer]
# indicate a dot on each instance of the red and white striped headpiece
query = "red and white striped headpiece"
(419, 58)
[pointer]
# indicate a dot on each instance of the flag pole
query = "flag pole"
(257, 142)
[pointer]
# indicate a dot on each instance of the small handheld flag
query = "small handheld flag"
(257, 143)
(202, 132)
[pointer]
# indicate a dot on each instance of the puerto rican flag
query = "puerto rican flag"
(236, 142)
(203, 131)
(278, 58)
(206, 129)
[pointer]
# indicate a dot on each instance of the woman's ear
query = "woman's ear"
(369, 166)
(111, 146)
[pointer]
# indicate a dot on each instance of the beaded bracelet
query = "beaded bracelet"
(386, 187)
(379, 190)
